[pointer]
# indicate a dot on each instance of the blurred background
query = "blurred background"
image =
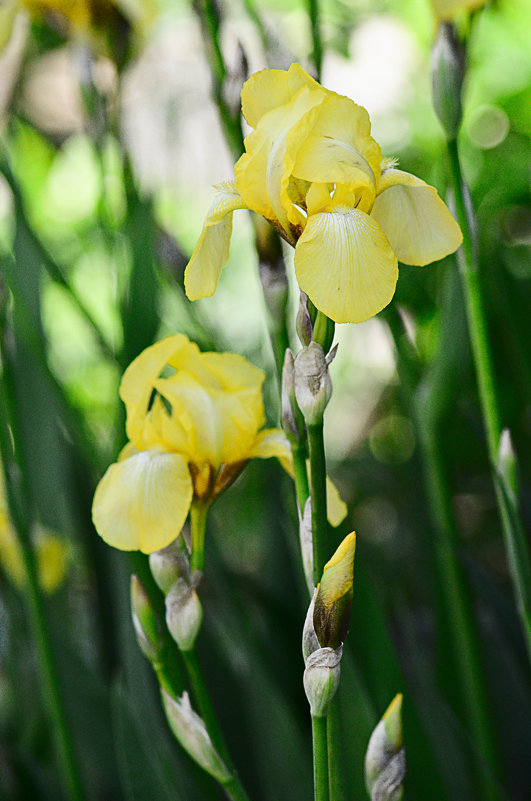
(111, 141)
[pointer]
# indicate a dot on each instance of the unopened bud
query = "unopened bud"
(303, 321)
(333, 603)
(306, 543)
(191, 732)
(313, 385)
(323, 331)
(169, 564)
(183, 614)
(321, 679)
(145, 621)
(507, 467)
(292, 419)
(448, 69)
(310, 643)
(385, 760)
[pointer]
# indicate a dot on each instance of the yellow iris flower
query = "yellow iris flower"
(314, 171)
(50, 553)
(193, 421)
(447, 10)
(77, 12)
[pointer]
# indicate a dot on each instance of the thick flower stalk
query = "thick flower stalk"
(193, 421)
(325, 628)
(314, 171)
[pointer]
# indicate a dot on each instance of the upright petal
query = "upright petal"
(212, 250)
(142, 502)
(263, 172)
(136, 387)
(417, 223)
(268, 89)
(339, 147)
(344, 263)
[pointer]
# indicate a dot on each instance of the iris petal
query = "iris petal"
(142, 502)
(136, 386)
(212, 250)
(271, 442)
(344, 263)
(417, 223)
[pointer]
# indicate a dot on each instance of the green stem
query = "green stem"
(209, 19)
(198, 518)
(317, 55)
(335, 752)
(434, 400)
(318, 493)
(48, 672)
(476, 313)
(53, 269)
(465, 642)
(320, 759)
(233, 787)
(516, 545)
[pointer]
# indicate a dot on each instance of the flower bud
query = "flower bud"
(321, 678)
(331, 617)
(292, 419)
(313, 385)
(448, 69)
(306, 543)
(507, 467)
(169, 564)
(191, 732)
(145, 621)
(310, 643)
(303, 321)
(183, 614)
(385, 760)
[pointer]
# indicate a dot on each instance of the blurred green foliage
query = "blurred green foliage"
(93, 247)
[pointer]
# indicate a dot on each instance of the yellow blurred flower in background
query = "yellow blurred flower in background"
(447, 10)
(193, 420)
(51, 553)
(83, 19)
(313, 170)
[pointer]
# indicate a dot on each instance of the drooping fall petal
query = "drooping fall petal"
(345, 264)
(212, 250)
(418, 225)
(142, 502)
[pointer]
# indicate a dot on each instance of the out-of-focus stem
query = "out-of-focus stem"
(317, 54)
(458, 607)
(48, 262)
(516, 545)
(50, 688)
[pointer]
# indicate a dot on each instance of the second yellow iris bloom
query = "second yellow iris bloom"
(314, 171)
(193, 420)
